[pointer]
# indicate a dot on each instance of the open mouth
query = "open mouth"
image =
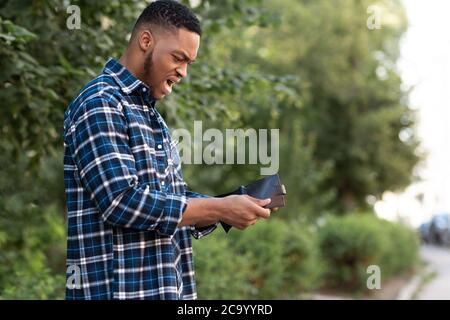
(168, 86)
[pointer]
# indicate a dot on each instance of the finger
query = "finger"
(260, 202)
(274, 209)
(259, 211)
(263, 213)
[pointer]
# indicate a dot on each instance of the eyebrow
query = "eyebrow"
(185, 56)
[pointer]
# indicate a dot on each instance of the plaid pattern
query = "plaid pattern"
(125, 195)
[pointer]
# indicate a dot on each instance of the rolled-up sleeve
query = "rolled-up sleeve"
(197, 232)
(107, 169)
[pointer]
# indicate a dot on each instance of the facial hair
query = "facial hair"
(148, 67)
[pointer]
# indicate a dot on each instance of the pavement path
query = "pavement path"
(439, 262)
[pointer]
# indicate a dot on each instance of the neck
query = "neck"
(130, 61)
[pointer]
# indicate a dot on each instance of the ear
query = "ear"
(146, 40)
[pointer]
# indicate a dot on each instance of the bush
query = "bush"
(263, 244)
(41, 284)
(220, 273)
(402, 252)
(302, 262)
(352, 243)
(32, 230)
(270, 260)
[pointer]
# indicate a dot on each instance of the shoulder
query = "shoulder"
(101, 94)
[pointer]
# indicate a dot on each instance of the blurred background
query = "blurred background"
(359, 89)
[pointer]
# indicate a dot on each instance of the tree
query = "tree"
(354, 107)
(44, 64)
(310, 68)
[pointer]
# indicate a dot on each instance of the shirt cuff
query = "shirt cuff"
(173, 213)
(198, 233)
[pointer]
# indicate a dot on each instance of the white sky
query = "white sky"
(425, 63)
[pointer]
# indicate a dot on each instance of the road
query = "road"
(439, 261)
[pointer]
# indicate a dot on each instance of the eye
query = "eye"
(177, 59)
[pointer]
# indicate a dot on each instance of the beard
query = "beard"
(148, 68)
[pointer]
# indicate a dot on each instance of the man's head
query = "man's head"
(165, 39)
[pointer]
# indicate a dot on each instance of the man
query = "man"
(130, 217)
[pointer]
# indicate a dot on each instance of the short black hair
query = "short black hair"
(169, 14)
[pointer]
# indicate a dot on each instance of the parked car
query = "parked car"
(440, 229)
(424, 231)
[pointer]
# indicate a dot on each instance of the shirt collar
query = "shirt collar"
(125, 79)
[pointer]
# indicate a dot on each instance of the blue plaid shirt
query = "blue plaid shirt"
(125, 195)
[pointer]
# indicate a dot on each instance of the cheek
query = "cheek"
(162, 69)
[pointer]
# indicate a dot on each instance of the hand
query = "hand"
(242, 211)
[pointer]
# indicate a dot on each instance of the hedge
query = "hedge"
(282, 259)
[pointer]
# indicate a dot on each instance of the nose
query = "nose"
(182, 70)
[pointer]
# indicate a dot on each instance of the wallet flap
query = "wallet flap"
(268, 187)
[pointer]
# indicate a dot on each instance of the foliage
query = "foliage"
(308, 68)
(354, 107)
(221, 274)
(270, 260)
(352, 243)
(263, 243)
(303, 264)
(32, 231)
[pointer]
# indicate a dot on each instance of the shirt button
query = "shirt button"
(152, 113)
(163, 183)
(159, 146)
(144, 89)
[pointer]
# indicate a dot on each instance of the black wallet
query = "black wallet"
(268, 187)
